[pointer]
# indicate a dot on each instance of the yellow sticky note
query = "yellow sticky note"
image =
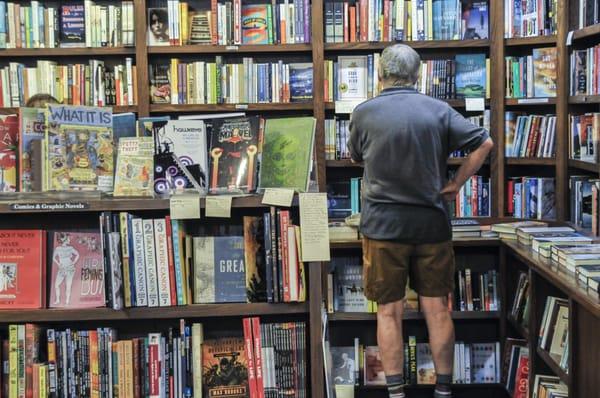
(314, 231)
(278, 197)
(218, 206)
(184, 207)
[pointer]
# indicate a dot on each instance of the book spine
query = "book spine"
(174, 289)
(284, 221)
(248, 345)
(178, 263)
(258, 357)
(150, 263)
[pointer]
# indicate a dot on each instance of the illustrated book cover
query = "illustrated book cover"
(343, 365)
(158, 27)
(256, 267)
(348, 294)
(470, 75)
(475, 18)
(219, 269)
(22, 269)
(72, 25)
(301, 82)
(133, 176)
(80, 148)
(373, 368)
(544, 72)
(77, 270)
(9, 130)
(254, 24)
(225, 368)
(233, 154)
(160, 86)
(31, 135)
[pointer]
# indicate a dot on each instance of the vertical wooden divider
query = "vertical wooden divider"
(562, 116)
(497, 83)
(141, 59)
(318, 92)
(317, 375)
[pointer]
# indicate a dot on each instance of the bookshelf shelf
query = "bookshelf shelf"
(531, 161)
(455, 103)
(210, 49)
(530, 101)
(66, 52)
(425, 44)
(115, 109)
(588, 166)
(176, 312)
(530, 41)
(584, 99)
(411, 315)
(587, 32)
(521, 331)
(553, 365)
(431, 386)
(357, 244)
(343, 163)
(267, 107)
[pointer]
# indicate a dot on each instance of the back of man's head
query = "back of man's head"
(399, 66)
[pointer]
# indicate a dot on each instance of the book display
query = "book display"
(137, 257)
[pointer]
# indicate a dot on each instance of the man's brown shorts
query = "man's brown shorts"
(387, 265)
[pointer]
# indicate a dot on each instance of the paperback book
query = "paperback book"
(225, 368)
(31, 136)
(133, 176)
(9, 128)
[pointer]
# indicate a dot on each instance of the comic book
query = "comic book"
(31, 133)
(79, 147)
(225, 368)
(9, 128)
(133, 176)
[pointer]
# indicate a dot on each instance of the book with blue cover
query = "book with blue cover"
(219, 269)
(301, 82)
(3, 30)
(475, 19)
(470, 75)
(124, 126)
(72, 25)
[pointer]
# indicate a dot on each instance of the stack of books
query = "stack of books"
(477, 291)
(508, 231)
(550, 386)
(532, 76)
(554, 331)
(473, 199)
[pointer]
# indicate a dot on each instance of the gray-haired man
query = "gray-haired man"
(404, 139)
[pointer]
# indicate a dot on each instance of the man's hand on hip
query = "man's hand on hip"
(450, 190)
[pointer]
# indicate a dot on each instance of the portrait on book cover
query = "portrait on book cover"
(158, 27)
(8, 279)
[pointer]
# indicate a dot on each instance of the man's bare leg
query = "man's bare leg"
(441, 341)
(391, 345)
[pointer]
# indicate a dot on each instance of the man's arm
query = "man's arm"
(470, 166)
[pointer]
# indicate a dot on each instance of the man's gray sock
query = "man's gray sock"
(442, 386)
(395, 385)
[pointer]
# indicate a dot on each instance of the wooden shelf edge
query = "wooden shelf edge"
(175, 312)
(582, 165)
(115, 109)
(343, 163)
(587, 32)
(558, 371)
(472, 242)
(412, 315)
(291, 106)
(421, 44)
(584, 99)
(469, 386)
(454, 102)
(531, 161)
(66, 52)
(233, 49)
(530, 101)
(530, 41)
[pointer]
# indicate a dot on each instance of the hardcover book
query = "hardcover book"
(475, 19)
(225, 368)
(133, 176)
(77, 276)
(158, 27)
(79, 148)
(254, 24)
(22, 269)
(483, 362)
(31, 128)
(200, 28)
(470, 75)
(301, 82)
(9, 131)
(256, 268)
(219, 269)
(373, 368)
(287, 153)
(348, 293)
(72, 27)
(343, 365)
(180, 160)
(544, 72)
(352, 84)
(160, 86)
(233, 153)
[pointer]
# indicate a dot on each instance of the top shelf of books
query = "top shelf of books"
(65, 52)
(422, 44)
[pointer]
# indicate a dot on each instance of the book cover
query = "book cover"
(22, 269)
(233, 152)
(219, 269)
(301, 82)
(373, 368)
(77, 269)
(79, 148)
(256, 268)
(225, 368)
(124, 126)
(425, 368)
(160, 86)
(475, 19)
(200, 27)
(133, 176)
(72, 25)
(115, 273)
(31, 128)
(470, 75)
(352, 78)
(180, 159)
(287, 153)
(483, 362)
(544, 72)
(158, 27)
(254, 24)
(348, 295)
(9, 131)
(343, 365)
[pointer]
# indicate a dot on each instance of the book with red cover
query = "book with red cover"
(522, 379)
(77, 266)
(32, 351)
(248, 345)
(284, 222)
(170, 242)
(22, 269)
(260, 385)
(9, 131)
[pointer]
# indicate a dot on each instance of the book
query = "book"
(348, 290)
(234, 154)
(373, 368)
(79, 148)
(255, 24)
(22, 269)
(343, 365)
(470, 75)
(352, 80)
(475, 19)
(133, 174)
(301, 82)
(287, 153)
(219, 269)
(77, 270)
(31, 134)
(200, 29)
(255, 260)
(160, 87)
(72, 20)
(425, 369)
(158, 27)
(225, 368)
(9, 131)
(544, 71)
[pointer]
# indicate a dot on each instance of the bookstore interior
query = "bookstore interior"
(179, 210)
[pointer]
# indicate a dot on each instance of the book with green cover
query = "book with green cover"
(287, 153)
(470, 75)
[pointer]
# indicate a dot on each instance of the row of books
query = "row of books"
(529, 135)
(400, 20)
(477, 291)
(581, 201)
(178, 362)
(74, 154)
(68, 25)
(530, 18)
(337, 133)
(531, 197)
(588, 13)
(554, 331)
(520, 309)
(585, 78)
(344, 198)
(218, 83)
(93, 84)
(515, 374)
(474, 363)
(533, 75)
(584, 133)
(229, 23)
(473, 198)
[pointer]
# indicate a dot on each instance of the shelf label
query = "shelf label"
(314, 229)
(474, 104)
(278, 197)
(232, 48)
(347, 106)
(218, 206)
(184, 207)
(49, 206)
(570, 38)
(533, 100)
(241, 106)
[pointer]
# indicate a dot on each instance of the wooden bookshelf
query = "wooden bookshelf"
(530, 101)
(424, 44)
(531, 41)
(521, 331)
(261, 107)
(588, 32)
(411, 315)
(242, 49)
(584, 99)
(343, 163)
(115, 109)
(531, 161)
(66, 52)
(587, 166)
(553, 365)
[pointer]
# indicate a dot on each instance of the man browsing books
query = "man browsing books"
(404, 139)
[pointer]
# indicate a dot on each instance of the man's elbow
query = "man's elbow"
(487, 145)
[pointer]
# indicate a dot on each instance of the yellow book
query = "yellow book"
(409, 20)
(183, 23)
(13, 361)
(301, 269)
(197, 340)
(125, 258)
(127, 349)
(43, 381)
(174, 81)
(429, 20)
